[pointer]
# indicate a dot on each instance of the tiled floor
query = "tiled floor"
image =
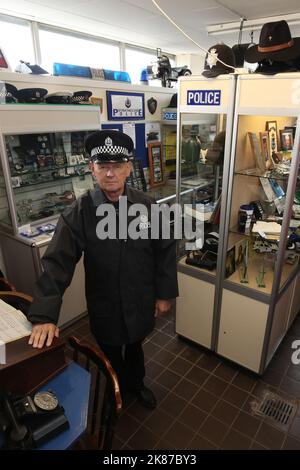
(204, 401)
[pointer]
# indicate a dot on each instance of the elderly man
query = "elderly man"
(129, 280)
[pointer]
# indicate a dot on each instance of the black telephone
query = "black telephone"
(29, 421)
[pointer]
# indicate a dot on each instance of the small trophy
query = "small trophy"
(244, 274)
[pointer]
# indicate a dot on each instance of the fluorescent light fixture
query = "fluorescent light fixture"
(251, 25)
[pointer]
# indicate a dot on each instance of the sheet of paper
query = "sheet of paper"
(129, 129)
(13, 323)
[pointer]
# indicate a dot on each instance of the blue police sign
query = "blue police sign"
(204, 97)
(169, 116)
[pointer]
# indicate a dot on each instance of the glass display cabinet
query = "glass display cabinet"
(43, 170)
(205, 117)
(260, 260)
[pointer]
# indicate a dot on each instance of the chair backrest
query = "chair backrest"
(5, 285)
(18, 300)
(105, 397)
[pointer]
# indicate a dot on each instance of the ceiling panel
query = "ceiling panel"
(140, 22)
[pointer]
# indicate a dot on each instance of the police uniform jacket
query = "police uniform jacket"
(123, 277)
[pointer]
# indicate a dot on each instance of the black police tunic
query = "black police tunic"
(123, 277)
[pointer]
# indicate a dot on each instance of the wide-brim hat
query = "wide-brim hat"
(239, 53)
(213, 67)
(109, 146)
(32, 95)
(173, 101)
(8, 93)
(275, 43)
(272, 67)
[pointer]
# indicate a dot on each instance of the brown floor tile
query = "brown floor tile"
(293, 372)
(291, 387)
(117, 443)
(204, 400)
(225, 412)
(143, 439)
(169, 329)
(150, 349)
(175, 346)
(270, 437)
(186, 389)
(256, 446)
(192, 354)
(225, 372)
(164, 357)
(179, 435)
(168, 379)
(291, 444)
(272, 377)
(160, 339)
(160, 323)
(246, 424)
(244, 381)
(126, 426)
(200, 443)
(159, 421)
(153, 369)
(235, 441)
(213, 430)
(159, 391)
(164, 444)
(192, 417)
(260, 387)
(137, 411)
(295, 428)
(196, 375)
(180, 366)
(235, 396)
(215, 385)
(208, 362)
(173, 404)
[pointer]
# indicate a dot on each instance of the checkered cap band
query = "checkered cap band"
(114, 150)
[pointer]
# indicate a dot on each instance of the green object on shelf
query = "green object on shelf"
(260, 278)
(244, 274)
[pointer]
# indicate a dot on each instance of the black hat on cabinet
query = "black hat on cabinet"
(272, 67)
(32, 95)
(173, 101)
(275, 43)
(109, 146)
(213, 67)
(8, 93)
(239, 53)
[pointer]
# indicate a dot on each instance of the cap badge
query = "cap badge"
(270, 38)
(212, 58)
(108, 142)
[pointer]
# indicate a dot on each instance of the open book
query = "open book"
(13, 325)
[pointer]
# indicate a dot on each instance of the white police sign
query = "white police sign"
(204, 97)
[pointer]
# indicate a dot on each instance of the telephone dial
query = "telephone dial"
(30, 420)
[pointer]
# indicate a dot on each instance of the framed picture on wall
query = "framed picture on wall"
(156, 172)
(125, 106)
(286, 139)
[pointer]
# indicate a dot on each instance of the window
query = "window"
(136, 61)
(74, 49)
(16, 40)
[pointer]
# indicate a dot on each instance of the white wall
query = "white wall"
(195, 62)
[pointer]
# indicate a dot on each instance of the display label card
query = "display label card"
(203, 97)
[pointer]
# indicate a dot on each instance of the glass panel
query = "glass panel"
(5, 217)
(136, 61)
(202, 159)
(261, 173)
(16, 40)
(69, 49)
(48, 171)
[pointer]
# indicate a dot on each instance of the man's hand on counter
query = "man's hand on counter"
(41, 333)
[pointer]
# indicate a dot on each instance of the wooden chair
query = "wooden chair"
(17, 299)
(105, 398)
(5, 285)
